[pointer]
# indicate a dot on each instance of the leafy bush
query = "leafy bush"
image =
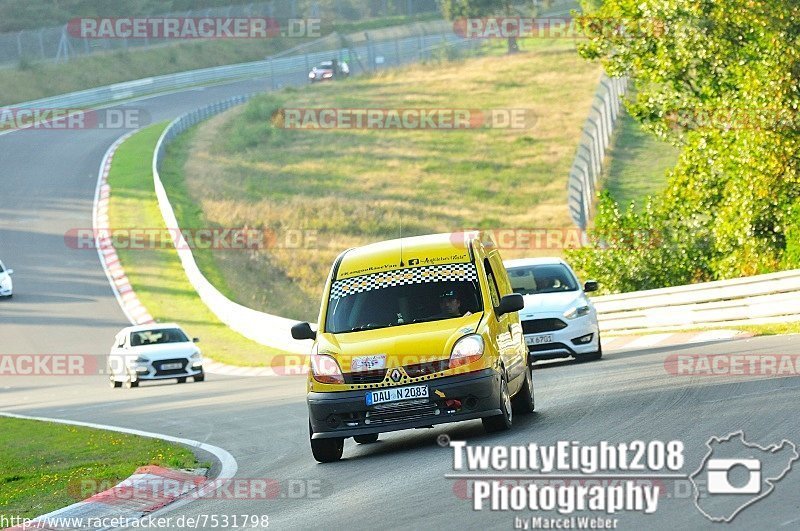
(719, 80)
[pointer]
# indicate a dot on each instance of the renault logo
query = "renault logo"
(396, 375)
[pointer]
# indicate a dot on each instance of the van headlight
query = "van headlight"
(324, 368)
(576, 311)
(466, 350)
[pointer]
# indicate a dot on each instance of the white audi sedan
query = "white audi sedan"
(558, 320)
(154, 352)
(6, 286)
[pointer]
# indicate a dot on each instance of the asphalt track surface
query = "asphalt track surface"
(63, 305)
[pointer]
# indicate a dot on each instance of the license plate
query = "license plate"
(539, 340)
(170, 366)
(368, 363)
(396, 394)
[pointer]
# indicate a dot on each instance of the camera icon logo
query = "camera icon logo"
(736, 473)
(719, 472)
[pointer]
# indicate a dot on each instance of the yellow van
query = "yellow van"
(415, 332)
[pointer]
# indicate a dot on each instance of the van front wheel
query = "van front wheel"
(326, 450)
(501, 422)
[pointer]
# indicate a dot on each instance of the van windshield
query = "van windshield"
(403, 297)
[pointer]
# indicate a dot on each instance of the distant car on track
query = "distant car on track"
(6, 285)
(328, 71)
(558, 320)
(154, 352)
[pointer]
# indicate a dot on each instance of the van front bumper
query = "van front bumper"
(346, 413)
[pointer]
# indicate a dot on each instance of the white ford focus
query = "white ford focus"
(558, 320)
(154, 352)
(6, 286)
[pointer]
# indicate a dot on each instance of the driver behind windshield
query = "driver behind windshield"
(450, 305)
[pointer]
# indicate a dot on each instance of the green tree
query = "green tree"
(721, 80)
(465, 9)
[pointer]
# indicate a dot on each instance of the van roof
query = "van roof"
(446, 248)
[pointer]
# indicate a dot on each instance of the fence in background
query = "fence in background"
(597, 133)
(373, 51)
(771, 298)
(57, 45)
(270, 330)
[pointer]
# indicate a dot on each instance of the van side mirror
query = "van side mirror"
(510, 303)
(590, 286)
(303, 331)
(10, 271)
(195, 340)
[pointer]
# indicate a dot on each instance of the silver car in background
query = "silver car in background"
(558, 320)
(6, 285)
(154, 352)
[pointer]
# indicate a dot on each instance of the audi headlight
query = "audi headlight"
(577, 311)
(466, 350)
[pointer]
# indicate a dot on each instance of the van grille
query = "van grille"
(365, 377)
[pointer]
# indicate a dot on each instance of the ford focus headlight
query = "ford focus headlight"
(576, 311)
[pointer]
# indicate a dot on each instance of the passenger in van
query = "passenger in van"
(450, 305)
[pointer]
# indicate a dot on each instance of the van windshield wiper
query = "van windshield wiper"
(370, 326)
(429, 319)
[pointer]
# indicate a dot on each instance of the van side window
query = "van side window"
(503, 286)
(493, 291)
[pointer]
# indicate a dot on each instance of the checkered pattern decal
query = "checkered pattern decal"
(414, 275)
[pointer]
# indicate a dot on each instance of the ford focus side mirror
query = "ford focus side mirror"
(510, 303)
(303, 331)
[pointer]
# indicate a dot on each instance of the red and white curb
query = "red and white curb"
(163, 489)
(634, 342)
(123, 291)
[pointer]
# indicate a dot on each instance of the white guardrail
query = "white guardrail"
(595, 140)
(270, 330)
(772, 298)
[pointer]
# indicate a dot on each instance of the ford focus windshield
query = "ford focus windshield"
(546, 278)
(402, 297)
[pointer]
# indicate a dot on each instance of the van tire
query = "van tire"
(503, 421)
(326, 450)
(524, 401)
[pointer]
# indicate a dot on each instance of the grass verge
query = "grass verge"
(354, 186)
(156, 273)
(42, 464)
(637, 164)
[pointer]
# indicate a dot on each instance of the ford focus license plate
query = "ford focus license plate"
(395, 394)
(539, 340)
